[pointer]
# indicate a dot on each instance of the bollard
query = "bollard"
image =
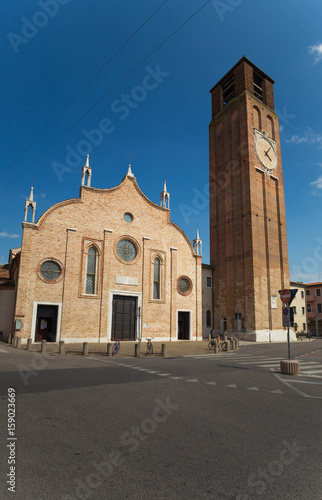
(216, 348)
(236, 344)
(29, 343)
(43, 346)
(10, 339)
(231, 343)
(61, 347)
(225, 338)
(136, 350)
(14, 343)
(209, 337)
(164, 350)
(109, 348)
(18, 344)
(290, 367)
(227, 346)
(85, 348)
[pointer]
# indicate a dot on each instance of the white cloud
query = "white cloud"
(316, 50)
(4, 234)
(310, 137)
(317, 183)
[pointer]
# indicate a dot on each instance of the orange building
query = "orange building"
(314, 308)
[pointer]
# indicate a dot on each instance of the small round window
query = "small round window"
(128, 217)
(50, 270)
(126, 250)
(184, 286)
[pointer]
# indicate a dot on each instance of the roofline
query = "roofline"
(208, 266)
(243, 59)
(297, 283)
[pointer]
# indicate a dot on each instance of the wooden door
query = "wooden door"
(124, 317)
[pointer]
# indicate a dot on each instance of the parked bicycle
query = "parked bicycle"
(222, 345)
(149, 347)
(116, 346)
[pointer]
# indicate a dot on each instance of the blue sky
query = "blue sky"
(160, 111)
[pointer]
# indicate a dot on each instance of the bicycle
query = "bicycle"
(149, 347)
(222, 345)
(116, 346)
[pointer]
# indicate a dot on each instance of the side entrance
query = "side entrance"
(46, 323)
(183, 325)
(124, 317)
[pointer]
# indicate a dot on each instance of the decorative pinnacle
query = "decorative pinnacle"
(129, 172)
(31, 196)
(87, 162)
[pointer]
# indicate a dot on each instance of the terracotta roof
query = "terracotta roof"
(5, 271)
(314, 284)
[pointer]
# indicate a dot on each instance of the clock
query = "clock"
(265, 150)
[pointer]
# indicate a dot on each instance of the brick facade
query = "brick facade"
(64, 233)
(248, 244)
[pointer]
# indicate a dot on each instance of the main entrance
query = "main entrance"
(124, 317)
(183, 325)
(46, 323)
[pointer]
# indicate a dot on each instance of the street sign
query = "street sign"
(286, 316)
(293, 293)
(285, 295)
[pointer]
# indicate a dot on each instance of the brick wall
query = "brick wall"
(97, 217)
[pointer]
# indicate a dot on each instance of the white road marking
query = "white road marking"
(176, 378)
(311, 365)
(211, 383)
(261, 361)
(252, 389)
(296, 381)
(192, 380)
(164, 374)
(268, 365)
(312, 372)
(2, 350)
(277, 391)
(286, 382)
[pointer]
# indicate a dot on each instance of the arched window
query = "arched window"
(208, 319)
(257, 118)
(91, 270)
(157, 278)
(270, 127)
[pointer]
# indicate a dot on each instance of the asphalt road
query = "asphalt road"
(225, 426)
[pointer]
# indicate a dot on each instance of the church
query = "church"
(111, 264)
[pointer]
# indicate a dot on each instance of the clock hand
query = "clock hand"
(266, 154)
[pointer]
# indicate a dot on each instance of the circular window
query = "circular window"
(50, 270)
(184, 286)
(128, 217)
(126, 250)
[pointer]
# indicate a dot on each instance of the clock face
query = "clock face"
(266, 153)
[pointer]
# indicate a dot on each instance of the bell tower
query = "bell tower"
(248, 244)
